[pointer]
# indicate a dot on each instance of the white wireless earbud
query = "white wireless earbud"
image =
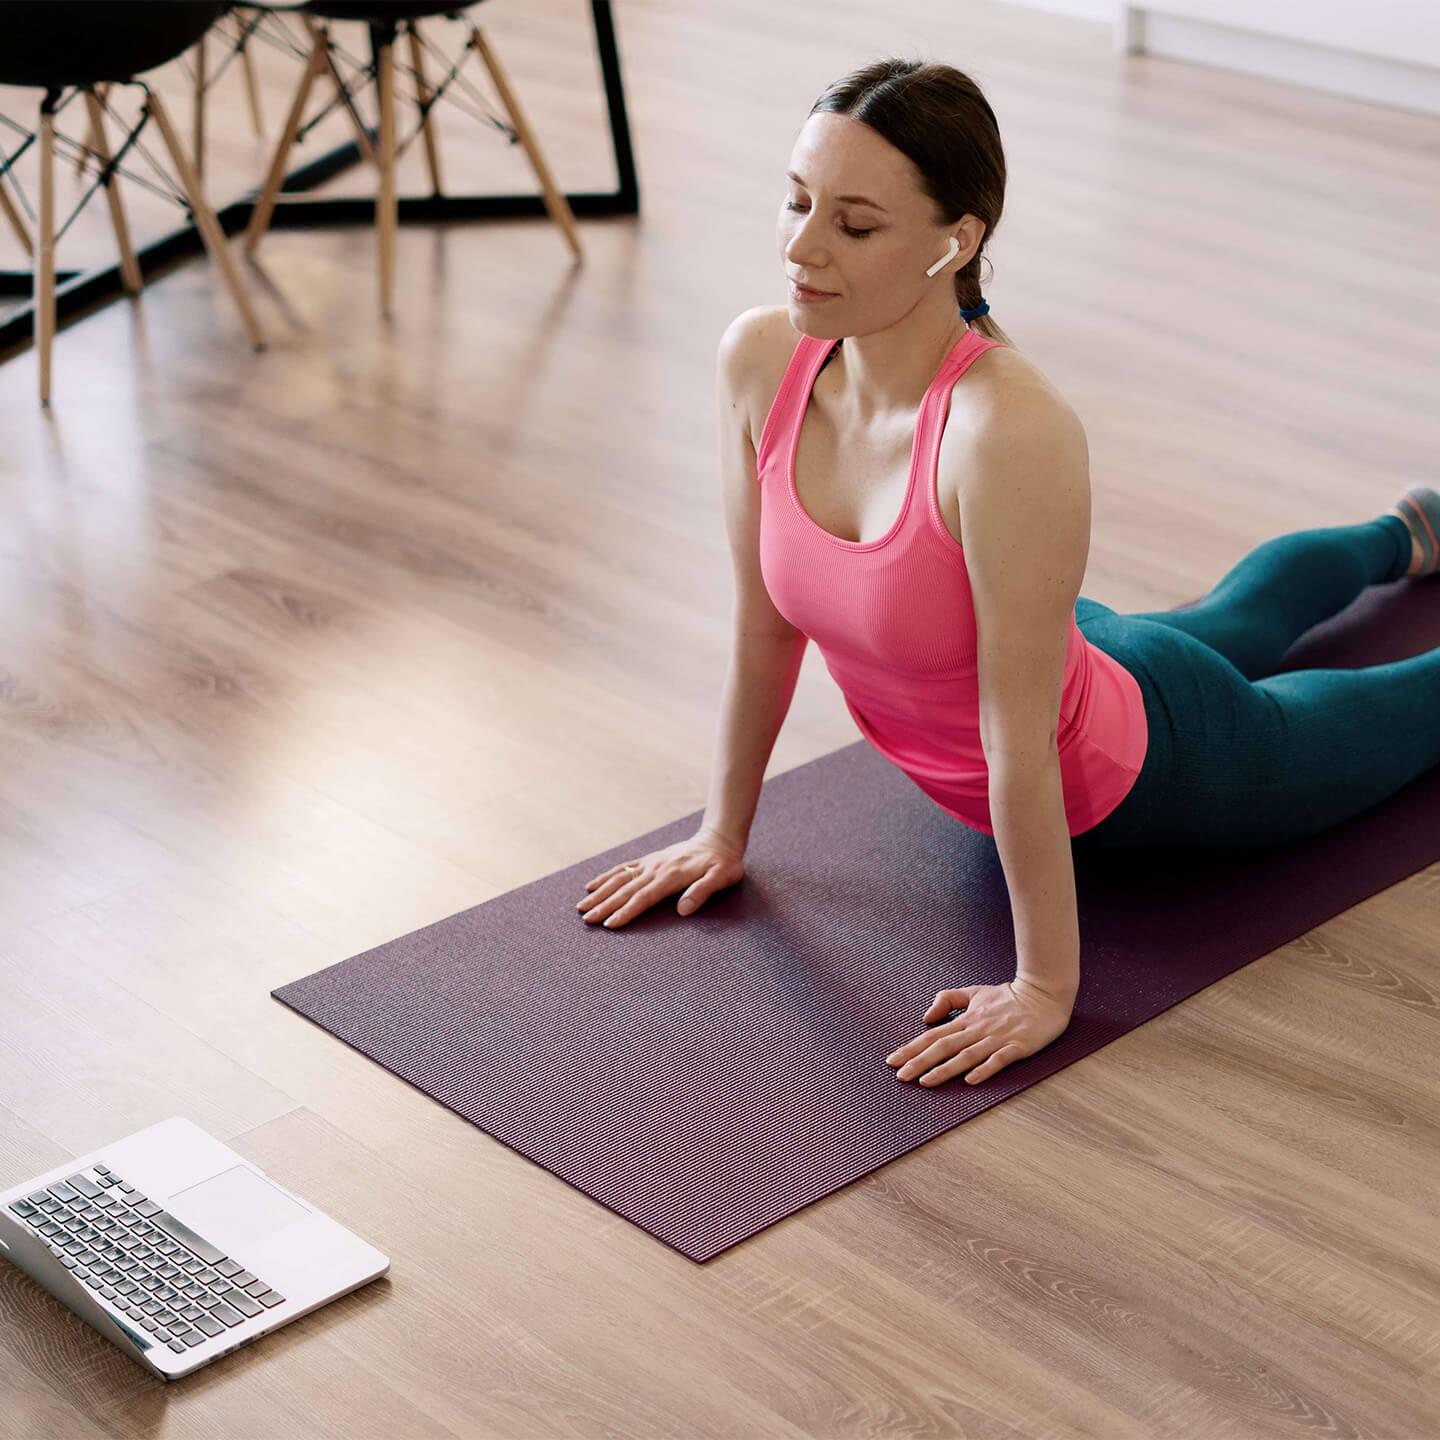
(945, 259)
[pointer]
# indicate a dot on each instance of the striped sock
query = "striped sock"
(1419, 508)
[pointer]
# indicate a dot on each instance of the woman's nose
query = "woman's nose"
(799, 251)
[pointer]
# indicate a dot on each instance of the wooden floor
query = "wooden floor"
(309, 648)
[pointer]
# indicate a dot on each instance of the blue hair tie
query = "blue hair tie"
(983, 308)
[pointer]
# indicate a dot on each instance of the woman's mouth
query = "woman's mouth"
(803, 292)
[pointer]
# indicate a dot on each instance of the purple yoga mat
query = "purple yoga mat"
(706, 1076)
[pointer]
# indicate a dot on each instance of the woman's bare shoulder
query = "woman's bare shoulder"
(1003, 367)
(1002, 377)
(1000, 388)
(766, 341)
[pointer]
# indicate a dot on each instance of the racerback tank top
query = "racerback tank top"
(895, 623)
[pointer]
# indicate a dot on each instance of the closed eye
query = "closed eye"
(858, 234)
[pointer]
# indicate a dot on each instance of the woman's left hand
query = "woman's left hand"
(1000, 1023)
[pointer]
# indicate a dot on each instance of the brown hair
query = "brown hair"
(936, 116)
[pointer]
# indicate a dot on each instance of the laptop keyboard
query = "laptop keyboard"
(170, 1281)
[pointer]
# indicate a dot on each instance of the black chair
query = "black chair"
(77, 45)
(386, 20)
(241, 47)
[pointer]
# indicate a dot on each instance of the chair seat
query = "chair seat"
(380, 10)
(84, 42)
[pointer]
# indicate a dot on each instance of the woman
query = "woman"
(1021, 707)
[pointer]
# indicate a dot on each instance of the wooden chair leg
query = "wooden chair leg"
(199, 150)
(129, 265)
(89, 145)
(387, 203)
(362, 139)
(103, 91)
(209, 226)
(423, 92)
(45, 271)
(555, 201)
(247, 64)
(17, 221)
(265, 201)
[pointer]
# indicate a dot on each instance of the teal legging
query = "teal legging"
(1241, 758)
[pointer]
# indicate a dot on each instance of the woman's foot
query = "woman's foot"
(1419, 508)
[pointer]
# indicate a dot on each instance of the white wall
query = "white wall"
(1383, 51)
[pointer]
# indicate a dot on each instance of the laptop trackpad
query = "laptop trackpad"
(235, 1208)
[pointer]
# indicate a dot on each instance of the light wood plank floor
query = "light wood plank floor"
(310, 648)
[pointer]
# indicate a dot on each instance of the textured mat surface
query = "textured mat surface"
(706, 1076)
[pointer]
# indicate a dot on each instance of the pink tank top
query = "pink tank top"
(895, 622)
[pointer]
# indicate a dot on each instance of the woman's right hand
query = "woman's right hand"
(699, 866)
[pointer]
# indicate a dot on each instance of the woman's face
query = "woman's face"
(871, 257)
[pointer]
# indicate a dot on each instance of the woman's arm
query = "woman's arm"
(767, 651)
(1033, 837)
(1025, 516)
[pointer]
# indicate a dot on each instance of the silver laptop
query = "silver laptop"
(177, 1248)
